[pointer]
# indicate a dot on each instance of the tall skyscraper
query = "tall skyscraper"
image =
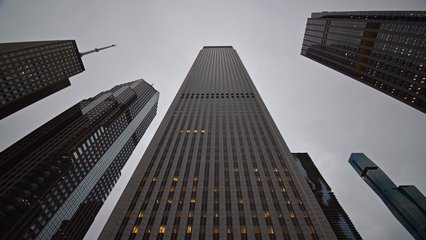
(385, 50)
(217, 167)
(30, 71)
(406, 203)
(336, 215)
(54, 180)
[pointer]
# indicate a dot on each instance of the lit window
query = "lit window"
(243, 229)
(271, 230)
(141, 213)
(162, 229)
(189, 229)
(135, 229)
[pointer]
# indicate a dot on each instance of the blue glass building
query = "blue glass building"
(406, 203)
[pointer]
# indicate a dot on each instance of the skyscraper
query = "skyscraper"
(336, 215)
(217, 167)
(54, 180)
(385, 50)
(406, 203)
(30, 71)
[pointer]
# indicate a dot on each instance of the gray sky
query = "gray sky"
(318, 110)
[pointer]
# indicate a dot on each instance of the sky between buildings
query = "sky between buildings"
(317, 110)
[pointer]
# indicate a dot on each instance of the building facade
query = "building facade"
(336, 215)
(30, 71)
(385, 50)
(406, 203)
(54, 180)
(217, 167)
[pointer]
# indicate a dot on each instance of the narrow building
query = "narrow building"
(405, 202)
(336, 215)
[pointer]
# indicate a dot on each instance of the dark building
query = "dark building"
(54, 180)
(336, 215)
(406, 203)
(30, 71)
(384, 49)
(217, 167)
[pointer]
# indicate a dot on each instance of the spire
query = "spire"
(96, 50)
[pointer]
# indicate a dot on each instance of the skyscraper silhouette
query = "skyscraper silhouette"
(385, 50)
(54, 180)
(217, 167)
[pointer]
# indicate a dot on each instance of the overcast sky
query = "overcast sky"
(318, 110)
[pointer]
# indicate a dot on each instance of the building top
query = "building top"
(217, 47)
(379, 15)
(15, 46)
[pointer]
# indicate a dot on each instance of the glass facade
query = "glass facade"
(406, 203)
(30, 71)
(336, 215)
(217, 167)
(71, 163)
(385, 50)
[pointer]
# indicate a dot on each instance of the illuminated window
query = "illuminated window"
(192, 200)
(266, 214)
(162, 229)
(189, 229)
(141, 213)
(175, 178)
(312, 229)
(135, 229)
(243, 229)
(271, 230)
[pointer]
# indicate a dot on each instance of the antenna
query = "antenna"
(96, 50)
